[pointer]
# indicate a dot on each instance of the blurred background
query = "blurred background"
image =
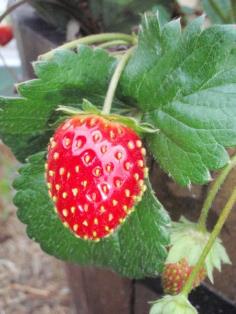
(30, 280)
(10, 70)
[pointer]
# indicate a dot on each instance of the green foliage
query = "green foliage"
(164, 15)
(184, 82)
(137, 249)
(179, 82)
(27, 122)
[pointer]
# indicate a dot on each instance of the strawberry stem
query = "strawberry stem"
(115, 80)
(212, 193)
(217, 229)
(92, 39)
(113, 43)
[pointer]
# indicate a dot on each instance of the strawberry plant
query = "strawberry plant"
(80, 129)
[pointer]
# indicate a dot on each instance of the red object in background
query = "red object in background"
(6, 34)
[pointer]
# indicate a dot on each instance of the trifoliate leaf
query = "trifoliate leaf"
(188, 242)
(178, 304)
(137, 249)
(185, 83)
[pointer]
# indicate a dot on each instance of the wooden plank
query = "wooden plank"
(142, 296)
(100, 291)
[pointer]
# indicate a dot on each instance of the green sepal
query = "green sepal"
(88, 108)
(188, 242)
(178, 304)
(139, 127)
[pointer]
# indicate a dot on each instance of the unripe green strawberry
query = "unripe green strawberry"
(188, 242)
(178, 304)
(175, 276)
(95, 174)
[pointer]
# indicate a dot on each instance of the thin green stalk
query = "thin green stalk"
(212, 193)
(92, 39)
(218, 11)
(117, 53)
(115, 80)
(217, 229)
(112, 43)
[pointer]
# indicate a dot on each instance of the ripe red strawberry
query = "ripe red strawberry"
(6, 34)
(95, 173)
(175, 276)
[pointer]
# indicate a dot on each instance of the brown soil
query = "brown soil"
(30, 280)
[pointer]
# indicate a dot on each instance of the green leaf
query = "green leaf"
(137, 249)
(185, 83)
(220, 12)
(26, 122)
(163, 13)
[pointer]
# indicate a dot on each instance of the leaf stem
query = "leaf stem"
(217, 229)
(92, 39)
(212, 193)
(218, 11)
(112, 43)
(115, 80)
